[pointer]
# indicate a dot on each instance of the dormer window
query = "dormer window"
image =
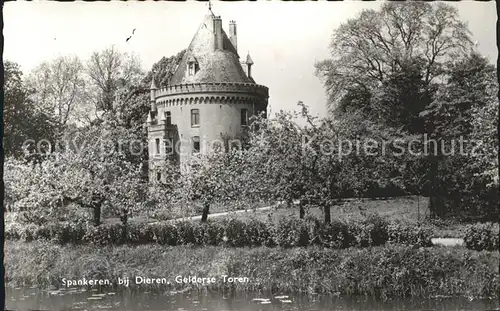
(191, 69)
(192, 65)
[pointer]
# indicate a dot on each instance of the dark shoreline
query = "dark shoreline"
(381, 272)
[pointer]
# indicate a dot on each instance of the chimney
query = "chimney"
(218, 38)
(244, 67)
(249, 63)
(232, 34)
(153, 89)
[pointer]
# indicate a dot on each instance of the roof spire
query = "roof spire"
(153, 84)
(209, 5)
(249, 59)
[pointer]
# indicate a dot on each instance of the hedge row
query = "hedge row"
(482, 236)
(288, 232)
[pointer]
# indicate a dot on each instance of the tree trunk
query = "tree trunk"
(302, 212)
(204, 215)
(418, 208)
(124, 220)
(435, 209)
(124, 217)
(97, 215)
(328, 217)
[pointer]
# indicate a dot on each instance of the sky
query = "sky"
(285, 39)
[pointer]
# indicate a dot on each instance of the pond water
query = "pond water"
(78, 299)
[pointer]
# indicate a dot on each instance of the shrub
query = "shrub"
(213, 233)
(66, 232)
(334, 235)
(105, 234)
(165, 234)
(378, 234)
(258, 233)
(28, 232)
(315, 228)
(139, 233)
(482, 236)
(359, 234)
(12, 231)
(371, 231)
(209, 233)
(288, 232)
(185, 232)
(409, 234)
(291, 232)
(236, 233)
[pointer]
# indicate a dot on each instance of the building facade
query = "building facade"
(210, 98)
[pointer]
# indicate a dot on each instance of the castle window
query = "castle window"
(192, 65)
(169, 146)
(196, 144)
(191, 69)
(195, 117)
(158, 176)
(157, 143)
(168, 118)
(244, 117)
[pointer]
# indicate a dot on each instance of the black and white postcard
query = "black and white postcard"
(264, 155)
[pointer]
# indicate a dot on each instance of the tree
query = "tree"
(22, 120)
(164, 69)
(206, 181)
(132, 102)
(388, 64)
(93, 172)
(108, 72)
(463, 114)
(59, 87)
(28, 191)
(372, 47)
(277, 164)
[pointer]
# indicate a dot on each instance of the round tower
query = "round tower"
(209, 100)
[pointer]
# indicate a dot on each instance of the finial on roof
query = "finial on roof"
(209, 5)
(249, 59)
(153, 84)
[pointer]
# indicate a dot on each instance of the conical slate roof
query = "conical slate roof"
(214, 65)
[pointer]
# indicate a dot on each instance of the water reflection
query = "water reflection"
(79, 299)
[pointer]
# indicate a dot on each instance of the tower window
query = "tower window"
(195, 117)
(168, 118)
(192, 66)
(196, 144)
(158, 176)
(169, 146)
(191, 69)
(244, 117)
(157, 143)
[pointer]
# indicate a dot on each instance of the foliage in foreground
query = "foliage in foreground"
(288, 232)
(392, 271)
(482, 236)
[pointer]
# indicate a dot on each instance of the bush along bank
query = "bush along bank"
(382, 272)
(482, 236)
(288, 232)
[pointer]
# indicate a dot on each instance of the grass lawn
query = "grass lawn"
(406, 209)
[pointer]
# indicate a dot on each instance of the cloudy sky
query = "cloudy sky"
(284, 39)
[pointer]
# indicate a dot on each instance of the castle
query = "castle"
(210, 98)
